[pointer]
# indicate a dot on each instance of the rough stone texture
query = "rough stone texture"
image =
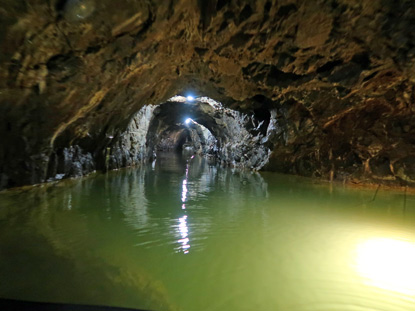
(194, 137)
(243, 144)
(203, 141)
(174, 138)
(74, 162)
(233, 137)
(337, 75)
(131, 147)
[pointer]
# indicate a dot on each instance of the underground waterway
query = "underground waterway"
(183, 233)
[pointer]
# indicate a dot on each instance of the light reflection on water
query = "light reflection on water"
(183, 230)
(251, 242)
(388, 264)
(184, 193)
(184, 233)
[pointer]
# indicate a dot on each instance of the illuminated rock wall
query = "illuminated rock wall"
(336, 75)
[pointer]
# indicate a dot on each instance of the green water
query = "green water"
(184, 234)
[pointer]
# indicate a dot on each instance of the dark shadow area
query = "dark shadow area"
(18, 305)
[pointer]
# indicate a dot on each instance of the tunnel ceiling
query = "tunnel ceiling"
(338, 74)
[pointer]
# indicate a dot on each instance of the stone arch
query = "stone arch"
(235, 138)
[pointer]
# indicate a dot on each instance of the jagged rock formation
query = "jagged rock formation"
(335, 77)
(131, 147)
(232, 137)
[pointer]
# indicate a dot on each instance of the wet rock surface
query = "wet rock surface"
(333, 79)
(130, 147)
(232, 137)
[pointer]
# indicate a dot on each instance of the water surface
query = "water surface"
(185, 234)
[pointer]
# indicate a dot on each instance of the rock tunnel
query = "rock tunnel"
(320, 88)
(202, 125)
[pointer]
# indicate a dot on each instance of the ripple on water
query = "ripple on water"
(243, 242)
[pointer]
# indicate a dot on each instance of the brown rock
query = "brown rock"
(337, 74)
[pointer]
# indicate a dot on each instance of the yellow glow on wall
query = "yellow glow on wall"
(388, 264)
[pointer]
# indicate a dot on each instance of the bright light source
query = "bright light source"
(190, 98)
(188, 120)
(388, 264)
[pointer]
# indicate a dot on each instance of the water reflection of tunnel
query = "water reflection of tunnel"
(169, 130)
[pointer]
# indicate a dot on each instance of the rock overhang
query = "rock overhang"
(336, 77)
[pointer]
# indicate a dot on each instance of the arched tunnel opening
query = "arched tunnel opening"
(187, 136)
(198, 125)
(182, 123)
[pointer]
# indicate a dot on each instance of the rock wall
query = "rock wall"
(365, 144)
(243, 145)
(203, 141)
(70, 162)
(234, 138)
(336, 74)
(131, 147)
(173, 139)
